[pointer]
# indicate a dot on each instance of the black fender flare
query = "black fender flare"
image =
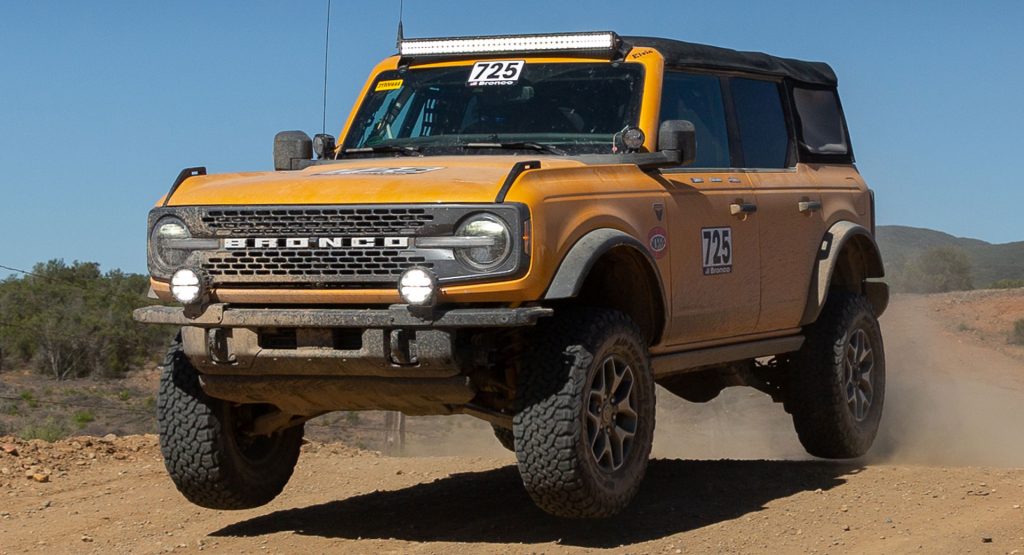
(835, 240)
(583, 255)
(580, 259)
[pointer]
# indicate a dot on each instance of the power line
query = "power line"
(69, 283)
(26, 272)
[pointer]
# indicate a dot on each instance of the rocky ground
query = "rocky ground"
(947, 475)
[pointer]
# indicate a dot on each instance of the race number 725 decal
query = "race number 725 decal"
(495, 73)
(716, 250)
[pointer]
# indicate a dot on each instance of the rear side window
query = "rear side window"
(822, 131)
(762, 123)
(698, 99)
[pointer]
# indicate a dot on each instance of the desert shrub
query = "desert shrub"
(48, 430)
(83, 417)
(1017, 334)
(29, 399)
(1007, 284)
(124, 395)
(938, 270)
(72, 320)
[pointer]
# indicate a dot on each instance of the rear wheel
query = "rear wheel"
(837, 380)
(211, 459)
(585, 423)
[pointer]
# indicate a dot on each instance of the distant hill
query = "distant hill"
(990, 262)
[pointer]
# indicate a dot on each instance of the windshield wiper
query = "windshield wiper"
(404, 150)
(520, 145)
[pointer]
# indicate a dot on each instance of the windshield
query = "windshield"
(573, 108)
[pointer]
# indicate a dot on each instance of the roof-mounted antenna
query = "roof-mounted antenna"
(401, 33)
(327, 44)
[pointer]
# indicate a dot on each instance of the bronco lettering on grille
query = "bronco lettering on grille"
(315, 242)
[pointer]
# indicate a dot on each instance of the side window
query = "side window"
(821, 123)
(698, 99)
(762, 123)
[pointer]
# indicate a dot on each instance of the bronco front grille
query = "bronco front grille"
(316, 221)
(315, 265)
(364, 246)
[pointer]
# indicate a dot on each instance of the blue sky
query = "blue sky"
(102, 103)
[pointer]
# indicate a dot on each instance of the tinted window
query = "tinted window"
(698, 99)
(821, 123)
(762, 123)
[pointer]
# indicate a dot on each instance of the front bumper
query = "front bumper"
(395, 316)
(313, 360)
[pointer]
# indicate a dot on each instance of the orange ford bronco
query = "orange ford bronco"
(533, 230)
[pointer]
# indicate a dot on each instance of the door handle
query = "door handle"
(808, 206)
(742, 208)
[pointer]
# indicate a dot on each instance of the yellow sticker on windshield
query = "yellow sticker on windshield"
(388, 85)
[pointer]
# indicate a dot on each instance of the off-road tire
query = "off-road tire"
(817, 394)
(201, 445)
(505, 437)
(550, 426)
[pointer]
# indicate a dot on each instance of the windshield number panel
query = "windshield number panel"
(495, 73)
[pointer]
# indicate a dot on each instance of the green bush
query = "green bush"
(83, 417)
(49, 430)
(30, 399)
(1007, 284)
(1017, 335)
(124, 395)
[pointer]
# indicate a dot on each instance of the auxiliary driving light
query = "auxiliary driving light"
(418, 286)
(185, 286)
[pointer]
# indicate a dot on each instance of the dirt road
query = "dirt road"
(947, 476)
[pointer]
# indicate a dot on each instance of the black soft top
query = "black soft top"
(687, 54)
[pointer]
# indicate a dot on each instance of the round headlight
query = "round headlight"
(169, 229)
(491, 255)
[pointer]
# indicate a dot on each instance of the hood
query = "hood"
(426, 179)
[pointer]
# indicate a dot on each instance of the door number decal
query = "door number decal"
(716, 250)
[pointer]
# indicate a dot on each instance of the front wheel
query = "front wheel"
(585, 422)
(837, 380)
(212, 461)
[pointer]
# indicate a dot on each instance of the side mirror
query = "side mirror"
(290, 148)
(678, 136)
(324, 145)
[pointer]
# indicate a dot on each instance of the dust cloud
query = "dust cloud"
(948, 402)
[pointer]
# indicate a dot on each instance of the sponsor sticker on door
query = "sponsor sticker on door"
(716, 250)
(657, 241)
